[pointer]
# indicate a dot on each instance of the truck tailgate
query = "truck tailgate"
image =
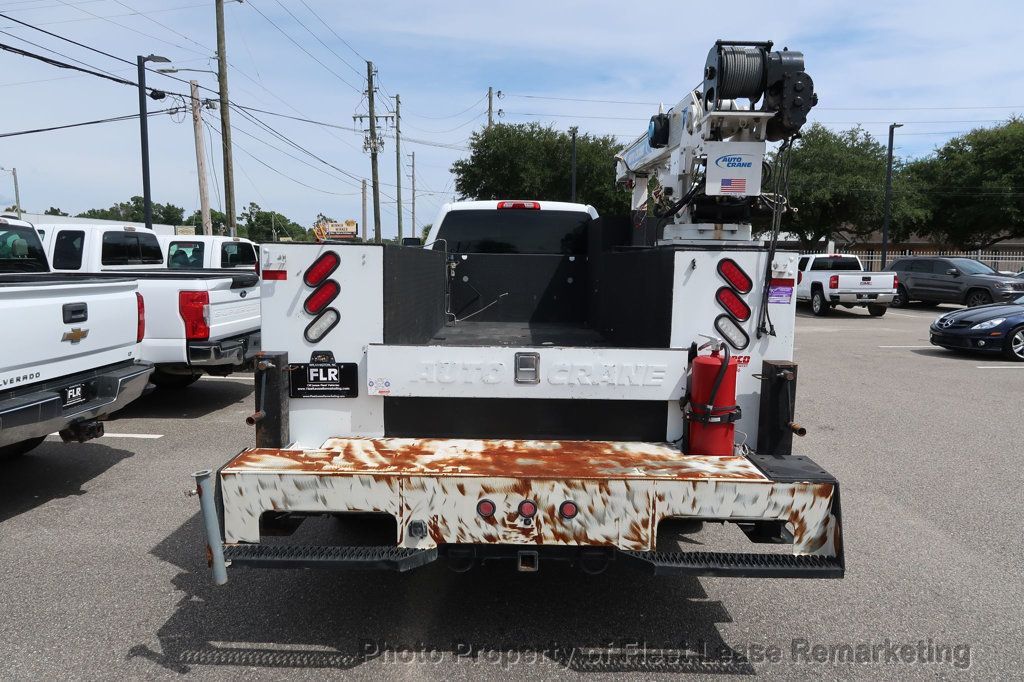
(867, 282)
(40, 344)
(234, 308)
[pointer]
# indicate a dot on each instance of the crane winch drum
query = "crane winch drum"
(750, 70)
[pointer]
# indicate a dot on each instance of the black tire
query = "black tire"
(1014, 348)
(877, 310)
(902, 297)
(162, 379)
(18, 449)
(976, 297)
(819, 304)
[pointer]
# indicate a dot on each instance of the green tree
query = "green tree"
(531, 161)
(54, 211)
(975, 187)
(837, 184)
(133, 211)
(264, 226)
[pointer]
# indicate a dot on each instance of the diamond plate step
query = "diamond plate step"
(306, 556)
(740, 565)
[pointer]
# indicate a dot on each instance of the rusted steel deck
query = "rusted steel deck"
(533, 459)
(622, 489)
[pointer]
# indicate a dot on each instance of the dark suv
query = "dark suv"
(937, 279)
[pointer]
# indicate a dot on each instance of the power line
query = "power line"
(65, 65)
(467, 109)
(299, 45)
(113, 119)
(310, 32)
(133, 30)
(329, 28)
(471, 121)
(583, 99)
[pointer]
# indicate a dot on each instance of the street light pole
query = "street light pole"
(888, 197)
(572, 192)
(147, 198)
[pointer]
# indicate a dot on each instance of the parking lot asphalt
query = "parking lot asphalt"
(103, 574)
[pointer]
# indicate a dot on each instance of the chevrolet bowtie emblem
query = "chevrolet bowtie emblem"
(75, 335)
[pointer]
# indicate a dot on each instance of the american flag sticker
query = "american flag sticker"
(734, 186)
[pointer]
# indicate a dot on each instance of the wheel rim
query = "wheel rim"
(816, 303)
(1017, 344)
(976, 300)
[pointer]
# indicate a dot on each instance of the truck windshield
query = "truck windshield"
(969, 266)
(514, 231)
(21, 250)
(834, 263)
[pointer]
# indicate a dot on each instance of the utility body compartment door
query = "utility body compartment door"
(526, 372)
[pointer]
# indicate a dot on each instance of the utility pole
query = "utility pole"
(17, 193)
(412, 177)
(490, 107)
(225, 122)
(364, 210)
(888, 197)
(372, 144)
(197, 127)
(572, 191)
(398, 163)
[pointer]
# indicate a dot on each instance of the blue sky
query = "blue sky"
(935, 66)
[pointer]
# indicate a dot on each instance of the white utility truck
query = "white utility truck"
(200, 252)
(69, 353)
(826, 280)
(543, 384)
(201, 321)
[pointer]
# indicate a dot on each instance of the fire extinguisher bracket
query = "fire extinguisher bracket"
(733, 414)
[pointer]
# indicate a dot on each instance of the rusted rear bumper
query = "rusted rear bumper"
(623, 491)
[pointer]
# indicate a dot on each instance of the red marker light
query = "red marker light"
(568, 510)
(485, 508)
(321, 268)
(275, 275)
(734, 275)
(321, 296)
(833, 282)
(527, 509)
(519, 204)
(728, 299)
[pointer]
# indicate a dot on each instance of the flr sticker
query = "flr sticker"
(780, 291)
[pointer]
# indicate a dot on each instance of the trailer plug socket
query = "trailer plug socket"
(418, 529)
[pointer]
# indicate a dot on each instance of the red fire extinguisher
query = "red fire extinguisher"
(712, 400)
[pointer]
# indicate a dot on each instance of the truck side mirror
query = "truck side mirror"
(953, 271)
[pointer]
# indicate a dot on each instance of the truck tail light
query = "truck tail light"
(519, 204)
(833, 282)
(799, 278)
(321, 325)
(140, 327)
(732, 273)
(321, 296)
(730, 300)
(527, 509)
(568, 510)
(321, 268)
(732, 332)
(895, 282)
(275, 275)
(194, 308)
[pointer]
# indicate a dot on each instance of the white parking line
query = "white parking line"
(906, 346)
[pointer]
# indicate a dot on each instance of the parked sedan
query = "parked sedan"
(996, 328)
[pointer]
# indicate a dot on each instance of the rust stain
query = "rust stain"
(520, 459)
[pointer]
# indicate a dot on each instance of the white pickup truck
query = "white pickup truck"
(69, 355)
(188, 252)
(201, 321)
(830, 279)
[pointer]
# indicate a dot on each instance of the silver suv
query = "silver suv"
(937, 279)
